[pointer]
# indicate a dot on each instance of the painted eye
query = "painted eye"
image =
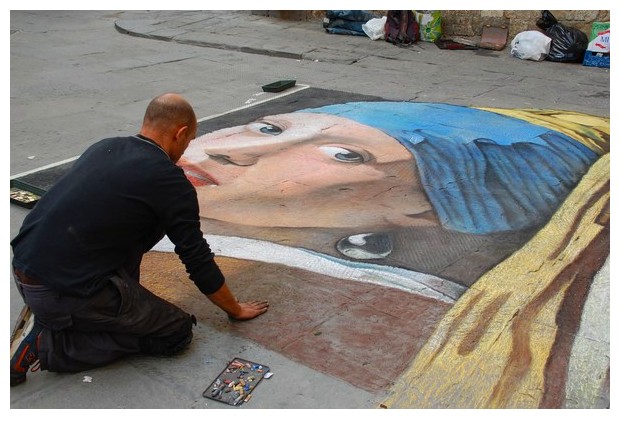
(344, 155)
(270, 129)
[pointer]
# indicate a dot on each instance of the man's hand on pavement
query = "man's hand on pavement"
(236, 310)
(251, 309)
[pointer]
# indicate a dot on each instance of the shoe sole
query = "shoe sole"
(23, 326)
(17, 378)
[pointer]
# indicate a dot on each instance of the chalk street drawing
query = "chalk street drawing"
(456, 204)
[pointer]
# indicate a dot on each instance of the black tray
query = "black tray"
(235, 384)
(279, 86)
(25, 195)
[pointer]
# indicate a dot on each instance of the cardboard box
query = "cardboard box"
(598, 52)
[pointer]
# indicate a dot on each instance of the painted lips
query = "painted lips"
(199, 178)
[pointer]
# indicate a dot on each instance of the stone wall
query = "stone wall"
(470, 23)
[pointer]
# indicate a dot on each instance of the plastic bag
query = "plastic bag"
(375, 28)
(430, 24)
(567, 44)
(597, 54)
(599, 38)
(530, 45)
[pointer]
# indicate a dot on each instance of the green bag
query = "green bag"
(430, 24)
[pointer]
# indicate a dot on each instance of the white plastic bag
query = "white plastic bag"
(530, 45)
(375, 28)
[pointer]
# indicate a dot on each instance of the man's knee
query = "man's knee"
(172, 343)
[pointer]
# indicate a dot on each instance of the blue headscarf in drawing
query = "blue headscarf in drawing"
(483, 172)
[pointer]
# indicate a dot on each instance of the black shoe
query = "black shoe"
(24, 346)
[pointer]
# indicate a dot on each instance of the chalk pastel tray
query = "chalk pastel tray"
(25, 195)
(279, 86)
(235, 384)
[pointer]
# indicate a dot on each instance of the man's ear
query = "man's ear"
(181, 133)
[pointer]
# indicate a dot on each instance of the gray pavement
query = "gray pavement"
(488, 77)
(219, 59)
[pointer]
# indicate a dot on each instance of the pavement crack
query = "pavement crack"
(158, 63)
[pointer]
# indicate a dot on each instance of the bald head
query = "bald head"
(169, 110)
(170, 121)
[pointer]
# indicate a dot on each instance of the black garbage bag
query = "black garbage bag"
(347, 21)
(568, 44)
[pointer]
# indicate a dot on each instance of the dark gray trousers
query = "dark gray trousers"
(122, 318)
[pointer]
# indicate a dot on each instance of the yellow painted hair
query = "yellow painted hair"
(592, 131)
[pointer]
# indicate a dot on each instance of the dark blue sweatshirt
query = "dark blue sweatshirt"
(118, 199)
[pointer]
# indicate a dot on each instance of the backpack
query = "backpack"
(401, 27)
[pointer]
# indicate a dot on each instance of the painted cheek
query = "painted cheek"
(194, 152)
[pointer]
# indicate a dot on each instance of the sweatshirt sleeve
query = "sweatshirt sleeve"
(178, 205)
